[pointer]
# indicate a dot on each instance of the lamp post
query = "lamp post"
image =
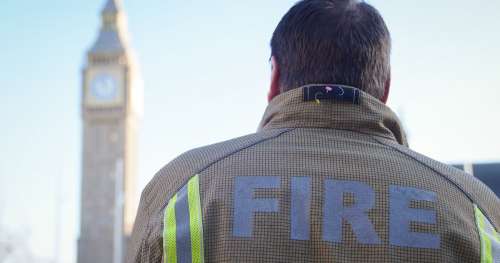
(118, 214)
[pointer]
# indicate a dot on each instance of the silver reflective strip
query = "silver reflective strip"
(494, 239)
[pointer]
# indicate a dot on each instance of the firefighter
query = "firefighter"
(328, 177)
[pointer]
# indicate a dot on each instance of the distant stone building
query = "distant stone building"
(111, 106)
(488, 173)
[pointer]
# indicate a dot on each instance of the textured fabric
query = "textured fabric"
(321, 182)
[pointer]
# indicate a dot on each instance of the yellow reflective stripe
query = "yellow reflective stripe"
(169, 233)
(170, 238)
(195, 220)
(486, 255)
(487, 242)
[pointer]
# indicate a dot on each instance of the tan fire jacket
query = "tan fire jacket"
(327, 178)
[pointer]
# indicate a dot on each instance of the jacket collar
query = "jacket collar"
(334, 107)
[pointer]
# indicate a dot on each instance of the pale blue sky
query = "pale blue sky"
(205, 69)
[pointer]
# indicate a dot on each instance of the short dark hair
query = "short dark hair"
(333, 42)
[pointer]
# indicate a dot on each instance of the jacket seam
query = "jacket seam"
(437, 172)
(242, 149)
(224, 157)
(388, 137)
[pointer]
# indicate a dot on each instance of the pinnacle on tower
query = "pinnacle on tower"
(112, 37)
(112, 6)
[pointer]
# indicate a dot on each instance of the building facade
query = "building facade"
(111, 108)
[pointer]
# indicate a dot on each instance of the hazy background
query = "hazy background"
(205, 68)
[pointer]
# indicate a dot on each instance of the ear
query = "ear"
(387, 89)
(274, 89)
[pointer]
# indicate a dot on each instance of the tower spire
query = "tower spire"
(112, 6)
(112, 37)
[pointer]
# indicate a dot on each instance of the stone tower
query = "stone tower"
(111, 106)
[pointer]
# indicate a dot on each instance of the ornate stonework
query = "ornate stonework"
(111, 106)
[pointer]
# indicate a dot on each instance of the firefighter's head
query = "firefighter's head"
(331, 41)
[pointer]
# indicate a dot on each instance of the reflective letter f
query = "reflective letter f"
(245, 205)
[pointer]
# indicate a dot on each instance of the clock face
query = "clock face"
(104, 88)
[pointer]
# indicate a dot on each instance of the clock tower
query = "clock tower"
(111, 106)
